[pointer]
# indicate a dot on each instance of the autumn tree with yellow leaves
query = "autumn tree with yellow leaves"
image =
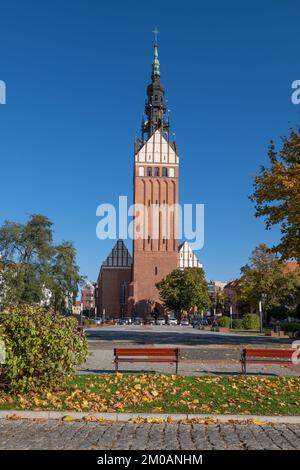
(277, 194)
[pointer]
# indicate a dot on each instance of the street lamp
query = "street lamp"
(261, 312)
(260, 315)
(230, 311)
(81, 312)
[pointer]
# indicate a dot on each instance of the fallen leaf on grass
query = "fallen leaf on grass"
(68, 418)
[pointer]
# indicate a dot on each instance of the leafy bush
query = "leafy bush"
(224, 322)
(279, 313)
(286, 327)
(88, 322)
(251, 321)
(237, 324)
(43, 349)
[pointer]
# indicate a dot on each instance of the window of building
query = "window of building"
(164, 240)
(171, 172)
(155, 270)
(123, 294)
(164, 171)
(156, 171)
(141, 171)
(149, 171)
(149, 239)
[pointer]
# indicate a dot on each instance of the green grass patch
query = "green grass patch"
(168, 394)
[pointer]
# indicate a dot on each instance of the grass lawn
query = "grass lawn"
(169, 394)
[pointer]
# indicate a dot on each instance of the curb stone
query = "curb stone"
(123, 417)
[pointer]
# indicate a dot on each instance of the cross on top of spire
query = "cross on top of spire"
(156, 33)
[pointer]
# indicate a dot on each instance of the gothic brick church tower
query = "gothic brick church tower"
(156, 174)
(126, 285)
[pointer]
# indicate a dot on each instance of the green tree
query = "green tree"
(32, 267)
(265, 278)
(184, 289)
(217, 298)
(64, 275)
(277, 194)
(25, 251)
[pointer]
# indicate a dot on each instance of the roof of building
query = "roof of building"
(291, 266)
(186, 257)
(119, 257)
(233, 284)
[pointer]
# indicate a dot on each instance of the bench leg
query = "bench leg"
(116, 365)
(244, 371)
(176, 370)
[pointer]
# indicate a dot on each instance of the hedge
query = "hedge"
(43, 349)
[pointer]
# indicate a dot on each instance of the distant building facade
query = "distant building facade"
(231, 291)
(88, 298)
(76, 310)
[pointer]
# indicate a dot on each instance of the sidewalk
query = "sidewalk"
(164, 417)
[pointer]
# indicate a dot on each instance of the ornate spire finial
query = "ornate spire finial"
(155, 32)
(155, 63)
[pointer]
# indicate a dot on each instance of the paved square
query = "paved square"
(202, 352)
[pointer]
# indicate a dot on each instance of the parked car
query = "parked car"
(160, 321)
(184, 322)
(296, 334)
(98, 321)
(137, 321)
(172, 321)
(149, 321)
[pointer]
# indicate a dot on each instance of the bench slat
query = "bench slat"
(275, 353)
(130, 359)
(147, 349)
(269, 361)
(170, 355)
(145, 352)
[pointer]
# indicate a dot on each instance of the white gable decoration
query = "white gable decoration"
(157, 150)
(187, 258)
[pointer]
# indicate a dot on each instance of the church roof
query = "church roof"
(186, 257)
(119, 257)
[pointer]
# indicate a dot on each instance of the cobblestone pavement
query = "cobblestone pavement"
(22, 434)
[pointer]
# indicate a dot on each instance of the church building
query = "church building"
(126, 285)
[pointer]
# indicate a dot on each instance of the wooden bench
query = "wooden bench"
(146, 355)
(265, 356)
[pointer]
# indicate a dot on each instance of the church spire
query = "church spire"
(155, 107)
(155, 63)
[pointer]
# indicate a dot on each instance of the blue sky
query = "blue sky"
(76, 75)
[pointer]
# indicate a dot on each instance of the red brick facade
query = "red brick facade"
(113, 286)
(113, 282)
(155, 252)
(155, 255)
